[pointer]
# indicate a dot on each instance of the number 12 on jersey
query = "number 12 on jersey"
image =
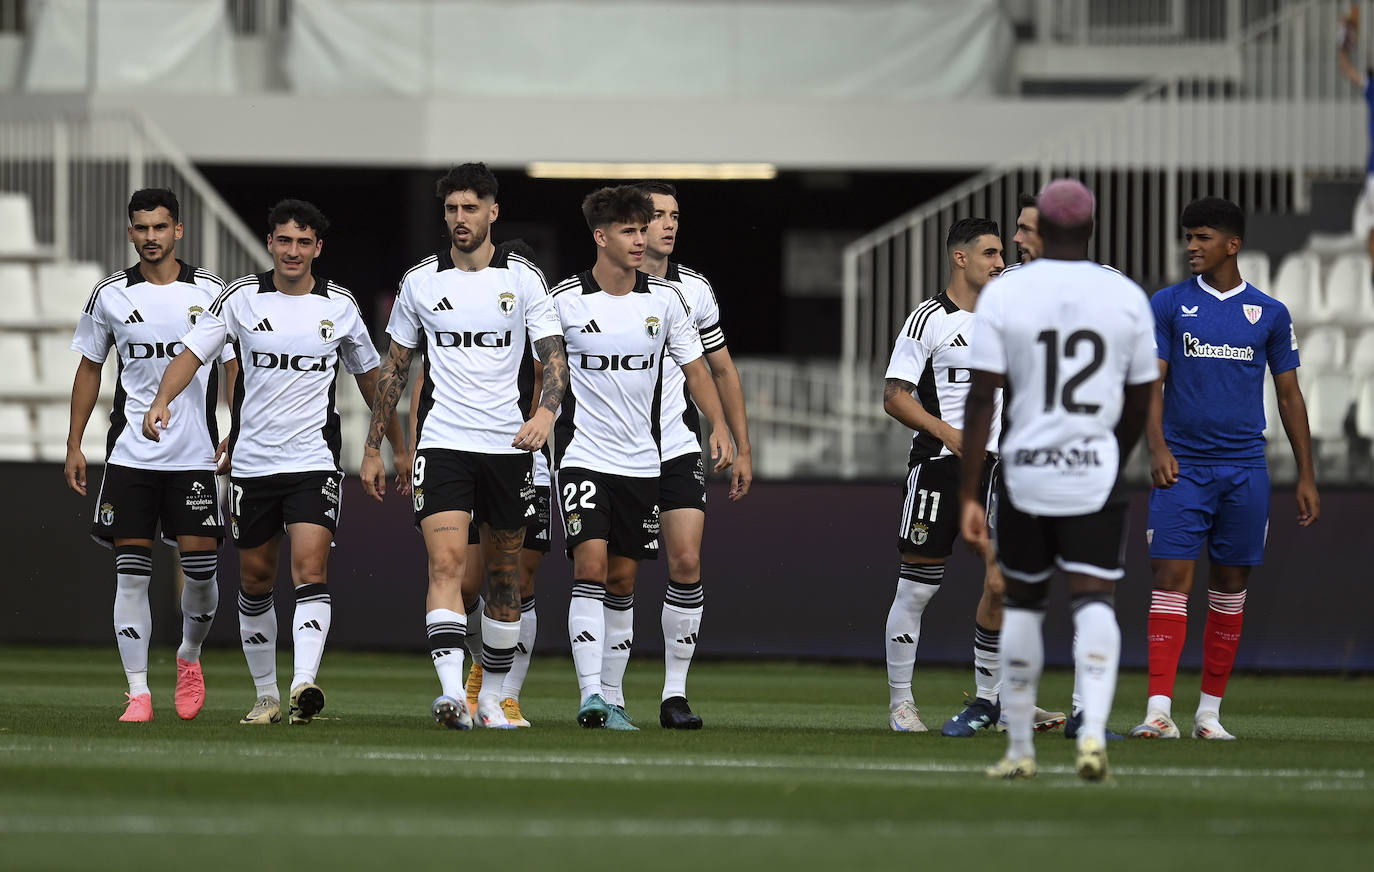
(1053, 395)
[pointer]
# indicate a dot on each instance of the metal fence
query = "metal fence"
(1146, 22)
(78, 174)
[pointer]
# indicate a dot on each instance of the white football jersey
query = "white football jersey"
(932, 352)
(616, 347)
(289, 348)
(1068, 335)
(679, 419)
(475, 329)
(145, 323)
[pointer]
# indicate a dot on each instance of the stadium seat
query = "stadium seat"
(16, 432)
(1254, 268)
(1362, 371)
(1296, 285)
(17, 238)
(16, 290)
(1348, 299)
(64, 288)
(1326, 382)
(53, 419)
(56, 361)
(18, 370)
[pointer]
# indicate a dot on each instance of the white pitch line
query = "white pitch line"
(582, 828)
(826, 764)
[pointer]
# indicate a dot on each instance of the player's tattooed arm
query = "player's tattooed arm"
(554, 355)
(388, 382)
(535, 431)
(899, 402)
(391, 383)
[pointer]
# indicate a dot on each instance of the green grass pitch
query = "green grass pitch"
(796, 769)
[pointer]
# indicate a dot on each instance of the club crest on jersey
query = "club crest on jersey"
(574, 524)
(234, 526)
(193, 314)
(326, 330)
(1252, 313)
(653, 327)
(106, 514)
(419, 499)
(919, 533)
(507, 302)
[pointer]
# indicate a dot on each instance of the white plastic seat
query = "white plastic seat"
(17, 238)
(1348, 299)
(57, 362)
(1362, 372)
(17, 368)
(1296, 285)
(1254, 268)
(16, 432)
(17, 301)
(64, 288)
(1321, 349)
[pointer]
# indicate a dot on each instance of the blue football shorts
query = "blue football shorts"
(1225, 506)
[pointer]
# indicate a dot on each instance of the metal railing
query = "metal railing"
(1146, 22)
(1254, 138)
(79, 172)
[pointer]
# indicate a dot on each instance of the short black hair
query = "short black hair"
(657, 187)
(966, 230)
(473, 177)
(1026, 201)
(626, 204)
(517, 247)
(1216, 213)
(148, 199)
(298, 212)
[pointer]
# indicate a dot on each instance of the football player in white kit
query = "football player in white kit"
(619, 324)
(142, 312)
(682, 482)
(292, 329)
(475, 309)
(1073, 344)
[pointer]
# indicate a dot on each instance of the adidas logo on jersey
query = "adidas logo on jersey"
(130, 633)
(264, 326)
(521, 649)
(135, 318)
(209, 522)
(623, 646)
(309, 625)
(332, 515)
(529, 512)
(202, 619)
(904, 639)
(443, 306)
(959, 341)
(689, 639)
(584, 636)
(256, 639)
(591, 327)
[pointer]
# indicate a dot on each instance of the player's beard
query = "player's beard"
(476, 239)
(153, 260)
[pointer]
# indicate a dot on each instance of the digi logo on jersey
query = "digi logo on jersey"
(152, 350)
(960, 376)
(290, 362)
(469, 339)
(616, 362)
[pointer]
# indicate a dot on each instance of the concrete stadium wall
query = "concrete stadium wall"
(801, 570)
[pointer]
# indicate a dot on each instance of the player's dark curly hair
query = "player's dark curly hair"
(1026, 201)
(148, 199)
(473, 177)
(623, 204)
(657, 187)
(300, 213)
(966, 230)
(1216, 213)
